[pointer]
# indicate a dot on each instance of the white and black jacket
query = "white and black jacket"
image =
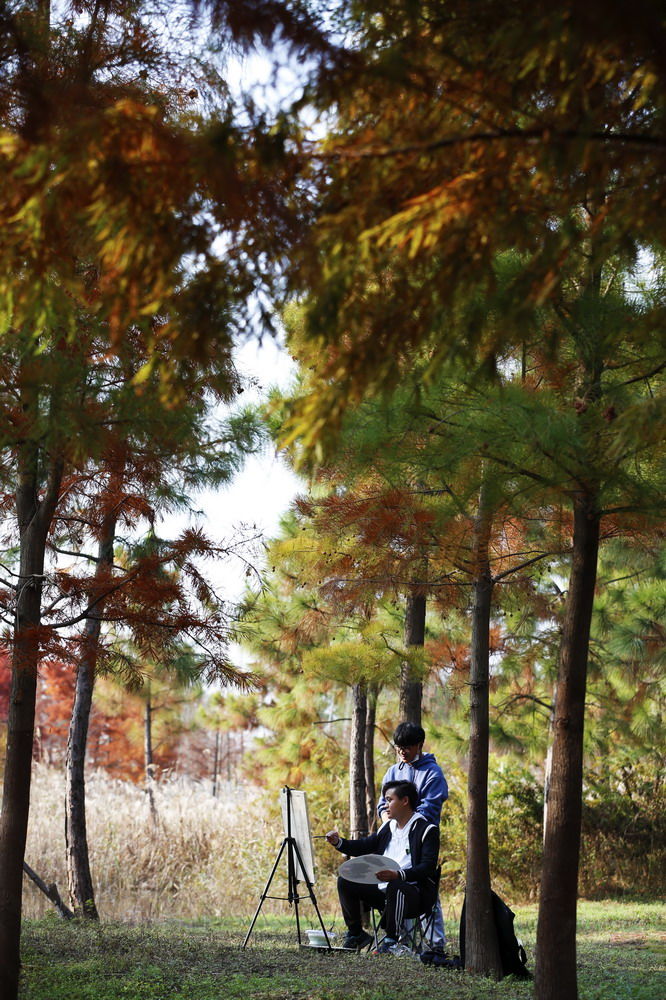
(423, 850)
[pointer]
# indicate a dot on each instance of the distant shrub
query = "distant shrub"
(624, 829)
(623, 846)
(515, 825)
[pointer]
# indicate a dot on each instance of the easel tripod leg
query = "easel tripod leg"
(313, 899)
(264, 894)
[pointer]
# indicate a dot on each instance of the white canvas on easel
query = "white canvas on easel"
(300, 861)
(300, 831)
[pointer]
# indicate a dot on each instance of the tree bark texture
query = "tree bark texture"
(34, 516)
(358, 820)
(481, 948)
(79, 878)
(411, 686)
(369, 758)
(555, 977)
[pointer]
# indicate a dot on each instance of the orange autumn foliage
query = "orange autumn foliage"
(114, 737)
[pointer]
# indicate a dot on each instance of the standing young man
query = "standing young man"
(413, 843)
(421, 769)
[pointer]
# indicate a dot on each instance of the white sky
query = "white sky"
(260, 493)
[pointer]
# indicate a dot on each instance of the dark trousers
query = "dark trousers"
(401, 901)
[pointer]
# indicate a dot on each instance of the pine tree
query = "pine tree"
(512, 139)
(105, 166)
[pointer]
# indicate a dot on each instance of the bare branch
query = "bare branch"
(546, 135)
(525, 697)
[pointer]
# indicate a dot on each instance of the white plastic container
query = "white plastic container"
(317, 938)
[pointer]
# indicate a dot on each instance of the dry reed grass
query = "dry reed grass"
(203, 857)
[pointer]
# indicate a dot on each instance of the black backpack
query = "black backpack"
(441, 961)
(512, 953)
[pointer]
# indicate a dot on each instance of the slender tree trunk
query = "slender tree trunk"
(358, 821)
(369, 758)
(556, 931)
(481, 947)
(34, 518)
(555, 974)
(79, 878)
(148, 756)
(411, 685)
(216, 761)
(18, 760)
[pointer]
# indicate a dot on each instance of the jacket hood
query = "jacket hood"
(425, 760)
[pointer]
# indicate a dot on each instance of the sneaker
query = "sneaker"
(357, 941)
(403, 949)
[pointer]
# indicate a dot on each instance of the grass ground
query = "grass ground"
(621, 951)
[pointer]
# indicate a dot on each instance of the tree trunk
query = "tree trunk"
(18, 760)
(369, 758)
(238, 759)
(216, 761)
(148, 756)
(556, 930)
(411, 685)
(358, 821)
(79, 878)
(481, 948)
(34, 518)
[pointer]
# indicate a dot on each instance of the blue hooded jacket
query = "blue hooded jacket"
(430, 783)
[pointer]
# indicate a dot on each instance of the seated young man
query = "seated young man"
(410, 841)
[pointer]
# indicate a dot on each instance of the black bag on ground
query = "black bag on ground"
(441, 961)
(512, 953)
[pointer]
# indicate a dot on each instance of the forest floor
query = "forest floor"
(621, 956)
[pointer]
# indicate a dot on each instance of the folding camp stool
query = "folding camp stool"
(417, 931)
